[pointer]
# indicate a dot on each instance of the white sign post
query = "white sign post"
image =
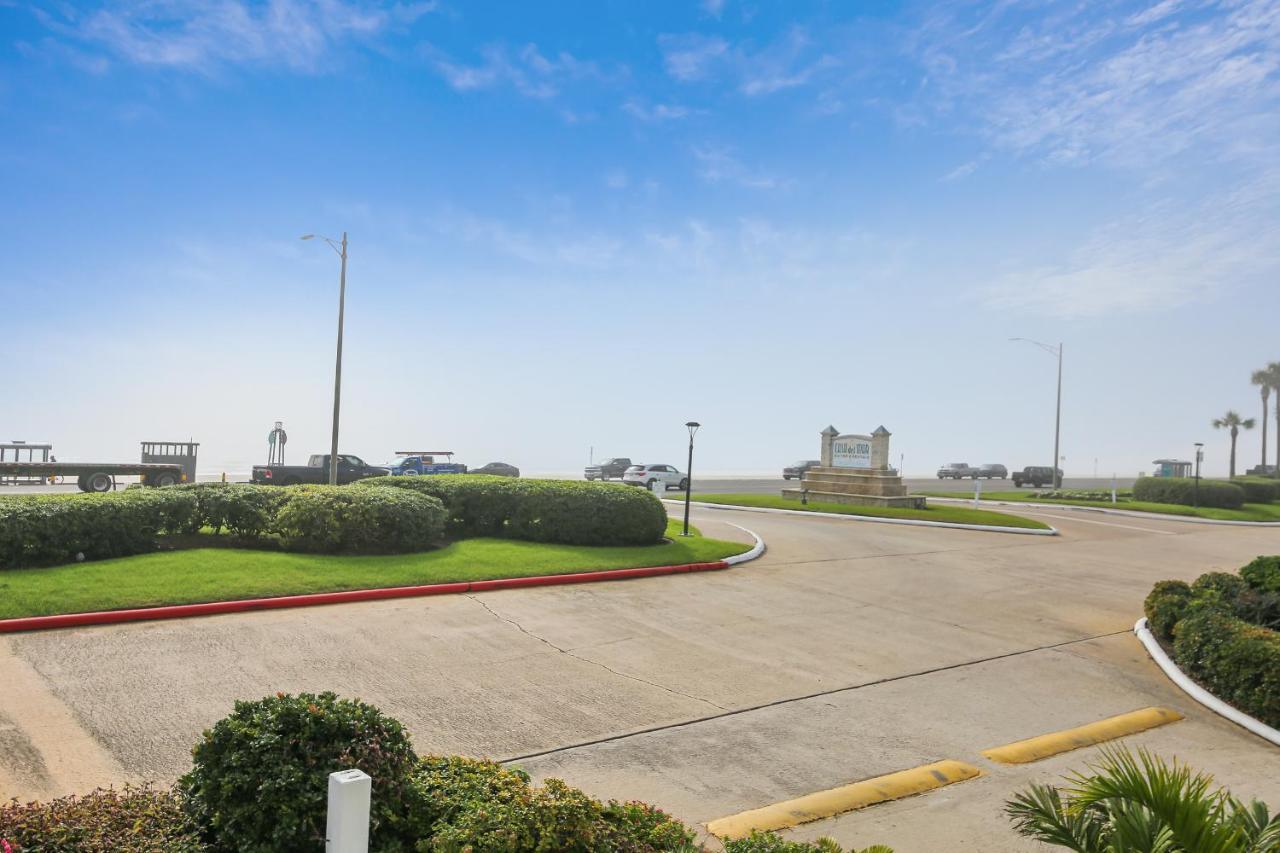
(659, 488)
(977, 491)
(347, 826)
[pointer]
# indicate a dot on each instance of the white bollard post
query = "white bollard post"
(347, 827)
(659, 489)
(1113, 489)
(977, 492)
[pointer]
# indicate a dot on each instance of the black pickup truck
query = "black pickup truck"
(1036, 477)
(350, 469)
(609, 468)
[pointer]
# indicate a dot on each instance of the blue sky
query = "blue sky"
(579, 225)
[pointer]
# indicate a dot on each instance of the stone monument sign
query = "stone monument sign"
(855, 470)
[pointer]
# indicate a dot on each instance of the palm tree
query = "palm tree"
(1144, 805)
(1232, 421)
(1262, 378)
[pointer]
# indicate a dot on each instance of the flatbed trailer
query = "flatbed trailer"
(164, 463)
(96, 476)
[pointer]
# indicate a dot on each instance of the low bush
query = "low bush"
(562, 511)
(138, 820)
(768, 842)
(1234, 660)
(1259, 490)
(1165, 605)
(259, 778)
(243, 509)
(337, 519)
(37, 530)
(1262, 574)
(1182, 490)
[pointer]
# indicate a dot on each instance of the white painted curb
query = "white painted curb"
(911, 522)
(1131, 513)
(746, 556)
(1195, 691)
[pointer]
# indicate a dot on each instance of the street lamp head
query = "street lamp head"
(693, 428)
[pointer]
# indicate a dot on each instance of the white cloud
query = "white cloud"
(528, 71)
(714, 8)
(655, 112)
(202, 35)
(718, 165)
(691, 57)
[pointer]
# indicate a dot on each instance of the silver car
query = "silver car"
(991, 471)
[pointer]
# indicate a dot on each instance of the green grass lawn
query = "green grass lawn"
(224, 574)
(945, 512)
(1249, 512)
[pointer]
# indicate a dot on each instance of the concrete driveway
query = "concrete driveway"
(849, 650)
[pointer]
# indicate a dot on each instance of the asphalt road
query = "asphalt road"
(851, 649)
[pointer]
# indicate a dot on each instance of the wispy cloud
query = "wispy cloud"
(789, 61)
(202, 35)
(719, 165)
(527, 70)
(655, 112)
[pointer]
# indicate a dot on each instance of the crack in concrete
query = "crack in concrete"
(570, 653)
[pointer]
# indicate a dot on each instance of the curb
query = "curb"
(1131, 513)
(213, 608)
(1195, 691)
(911, 522)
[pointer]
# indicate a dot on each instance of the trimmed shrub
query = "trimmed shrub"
(469, 804)
(1235, 661)
(768, 842)
(1225, 584)
(259, 778)
(246, 510)
(335, 519)
(138, 820)
(563, 511)
(1262, 574)
(1259, 490)
(1182, 490)
(1165, 605)
(37, 530)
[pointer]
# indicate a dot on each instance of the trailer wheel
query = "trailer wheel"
(164, 478)
(98, 482)
(81, 484)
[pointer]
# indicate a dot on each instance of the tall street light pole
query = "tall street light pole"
(341, 248)
(692, 426)
(1196, 487)
(1056, 352)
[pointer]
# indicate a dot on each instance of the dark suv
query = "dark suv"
(1037, 476)
(796, 469)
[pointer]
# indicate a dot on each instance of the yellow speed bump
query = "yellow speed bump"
(846, 798)
(1036, 748)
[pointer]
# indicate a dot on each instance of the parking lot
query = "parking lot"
(849, 650)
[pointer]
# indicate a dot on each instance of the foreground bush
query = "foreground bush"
(562, 511)
(259, 778)
(137, 820)
(1182, 490)
(243, 509)
(337, 519)
(38, 530)
(1259, 490)
(1143, 805)
(1234, 660)
(1165, 606)
(768, 842)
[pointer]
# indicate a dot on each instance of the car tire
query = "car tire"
(649, 485)
(98, 482)
(164, 478)
(684, 484)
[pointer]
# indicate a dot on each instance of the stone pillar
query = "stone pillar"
(880, 449)
(828, 438)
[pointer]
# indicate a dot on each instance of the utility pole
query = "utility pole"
(341, 249)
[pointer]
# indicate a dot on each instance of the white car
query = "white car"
(647, 475)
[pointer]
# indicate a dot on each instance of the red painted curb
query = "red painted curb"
(181, 611)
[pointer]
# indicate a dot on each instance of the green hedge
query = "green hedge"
(563, 511)
(336, 519)
(103, 821)
(1165, 606)
(37, 530)
(1259, 490)
(244, 509)
(1182, 490)
(1234, 660)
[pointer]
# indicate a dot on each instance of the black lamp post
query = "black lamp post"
(688, 474)
(1196, 488)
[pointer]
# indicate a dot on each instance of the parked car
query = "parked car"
(607, 469)
(412, 462)
(796, 469)
(1037, 476)
(497, 469)
(647, 475)
(955, 471)
(350, 469)
(991, 471)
